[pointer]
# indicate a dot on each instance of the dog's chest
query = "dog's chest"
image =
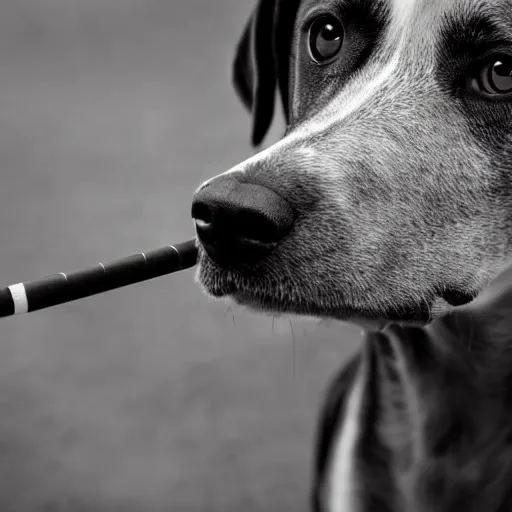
(341, 480)
(416, 423)
(372, 437)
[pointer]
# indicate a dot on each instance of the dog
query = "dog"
(388, 199)
(420, 420)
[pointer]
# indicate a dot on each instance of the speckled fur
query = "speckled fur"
(431, 422)
(402, 186)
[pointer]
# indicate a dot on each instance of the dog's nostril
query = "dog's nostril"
(202, 214)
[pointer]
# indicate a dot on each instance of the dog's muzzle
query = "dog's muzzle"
(239, 223)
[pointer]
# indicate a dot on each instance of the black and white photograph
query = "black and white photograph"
(256, 255)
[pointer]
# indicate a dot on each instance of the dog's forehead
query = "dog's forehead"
(434, 8)
(416, 38)
(413, 12)
(438, 11)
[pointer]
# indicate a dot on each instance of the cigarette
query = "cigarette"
(60, 288)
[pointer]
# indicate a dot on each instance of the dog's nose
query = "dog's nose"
(239, 223)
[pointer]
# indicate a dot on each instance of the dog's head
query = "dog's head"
(390, 194)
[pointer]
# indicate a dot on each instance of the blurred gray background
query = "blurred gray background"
(152, 398)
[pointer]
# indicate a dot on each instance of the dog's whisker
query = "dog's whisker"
(372, 207)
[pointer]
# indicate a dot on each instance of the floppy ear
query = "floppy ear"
(262, 62)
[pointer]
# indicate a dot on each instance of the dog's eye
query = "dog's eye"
(325, 38)
(496, 76)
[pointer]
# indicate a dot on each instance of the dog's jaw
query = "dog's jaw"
(265, 289)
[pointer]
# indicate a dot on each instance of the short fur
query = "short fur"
(434, 421)
(401, 180)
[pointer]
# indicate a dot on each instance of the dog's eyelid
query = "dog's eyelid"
(498, 47)
(481, 79)
(473, 36)
(488, 55)
(315, 13)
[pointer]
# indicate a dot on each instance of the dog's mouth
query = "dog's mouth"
(265, 289)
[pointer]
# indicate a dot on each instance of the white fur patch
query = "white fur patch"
(402, 11)
(356, 95)
(353, 100)
(342, 480)
(362, 93)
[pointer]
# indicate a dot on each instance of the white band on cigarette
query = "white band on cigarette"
(19, 297)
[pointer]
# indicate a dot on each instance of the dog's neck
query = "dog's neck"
(437, 424)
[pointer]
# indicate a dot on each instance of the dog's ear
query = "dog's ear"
(262, 62)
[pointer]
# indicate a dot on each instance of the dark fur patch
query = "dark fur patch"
(364, 22)
(401, 177)
(436, 428)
